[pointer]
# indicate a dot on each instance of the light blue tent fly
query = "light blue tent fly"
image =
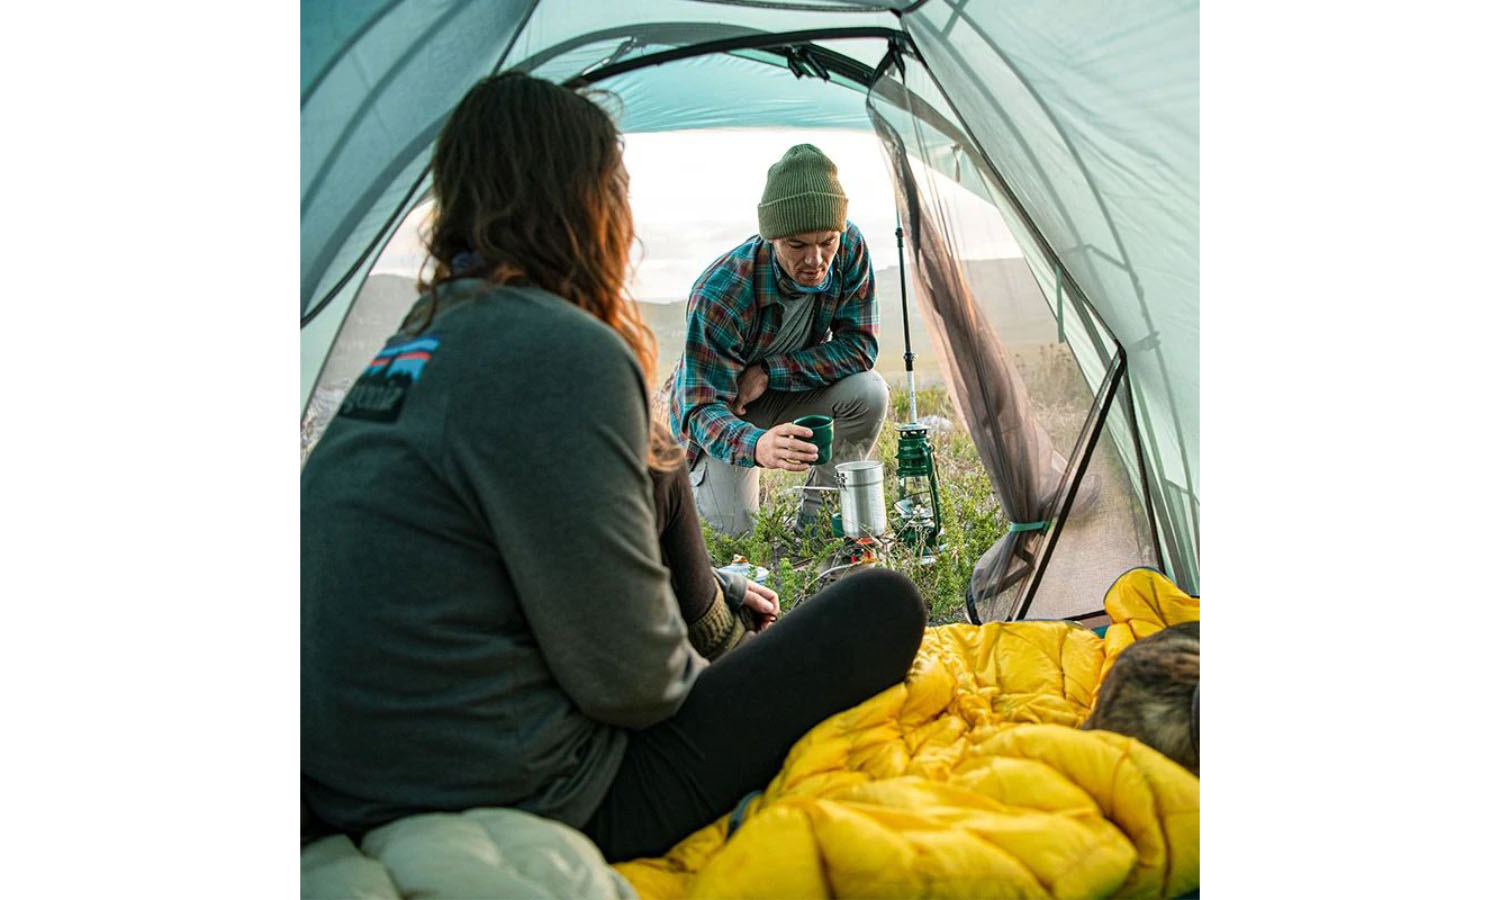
(1076, 123)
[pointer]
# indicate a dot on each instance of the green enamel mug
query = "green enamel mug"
(822, 435)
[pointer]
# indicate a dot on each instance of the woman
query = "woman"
(486, 620)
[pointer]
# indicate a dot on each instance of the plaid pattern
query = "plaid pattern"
(733, 314)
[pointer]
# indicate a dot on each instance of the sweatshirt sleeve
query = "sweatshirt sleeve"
(560, 476)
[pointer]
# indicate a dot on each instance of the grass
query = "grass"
(972, 519)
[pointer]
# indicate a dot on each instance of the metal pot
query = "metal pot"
(862, 497)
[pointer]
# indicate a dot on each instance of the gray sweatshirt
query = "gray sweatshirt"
(484, 608)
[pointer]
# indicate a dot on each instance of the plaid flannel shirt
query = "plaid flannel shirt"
(734, 312)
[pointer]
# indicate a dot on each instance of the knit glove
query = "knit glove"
(724, 626)
(733, 584)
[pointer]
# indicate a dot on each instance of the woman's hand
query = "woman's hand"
(763, 604)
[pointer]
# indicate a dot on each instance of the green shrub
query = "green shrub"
(972, 520)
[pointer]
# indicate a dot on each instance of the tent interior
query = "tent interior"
(1069, 131)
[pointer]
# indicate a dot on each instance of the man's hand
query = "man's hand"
(779, 448)
(752, 383)
(763, 604)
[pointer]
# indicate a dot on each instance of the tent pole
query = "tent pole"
(1062, 336)
(1078, 466)
(755, 41)
(1140, 460)
(911, 377)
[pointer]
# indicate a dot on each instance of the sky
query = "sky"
(694, 195)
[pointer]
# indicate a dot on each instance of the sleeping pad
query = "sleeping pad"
(968, 779)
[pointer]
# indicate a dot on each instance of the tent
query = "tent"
(1076, 124)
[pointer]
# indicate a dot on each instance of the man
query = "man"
(780, 327)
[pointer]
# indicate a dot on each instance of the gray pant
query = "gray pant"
(728, 497)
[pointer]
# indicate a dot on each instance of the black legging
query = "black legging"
(745, 712)
(681, 538)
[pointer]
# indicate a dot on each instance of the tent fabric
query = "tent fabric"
(971, 772)
(1078, 122)
(721, 91)
(1089, 112)
(375, 105)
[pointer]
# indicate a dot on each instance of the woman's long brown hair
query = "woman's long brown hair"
(530, 186)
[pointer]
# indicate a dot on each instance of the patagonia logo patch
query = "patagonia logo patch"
(380, 392)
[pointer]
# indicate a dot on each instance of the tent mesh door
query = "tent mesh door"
(1026, 360)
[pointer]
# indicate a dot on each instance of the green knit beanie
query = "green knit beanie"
(802, 194)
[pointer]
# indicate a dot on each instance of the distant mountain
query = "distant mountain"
(1006, 292)
(1004, 288)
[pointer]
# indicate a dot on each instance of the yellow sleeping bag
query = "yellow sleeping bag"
(970, 779)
